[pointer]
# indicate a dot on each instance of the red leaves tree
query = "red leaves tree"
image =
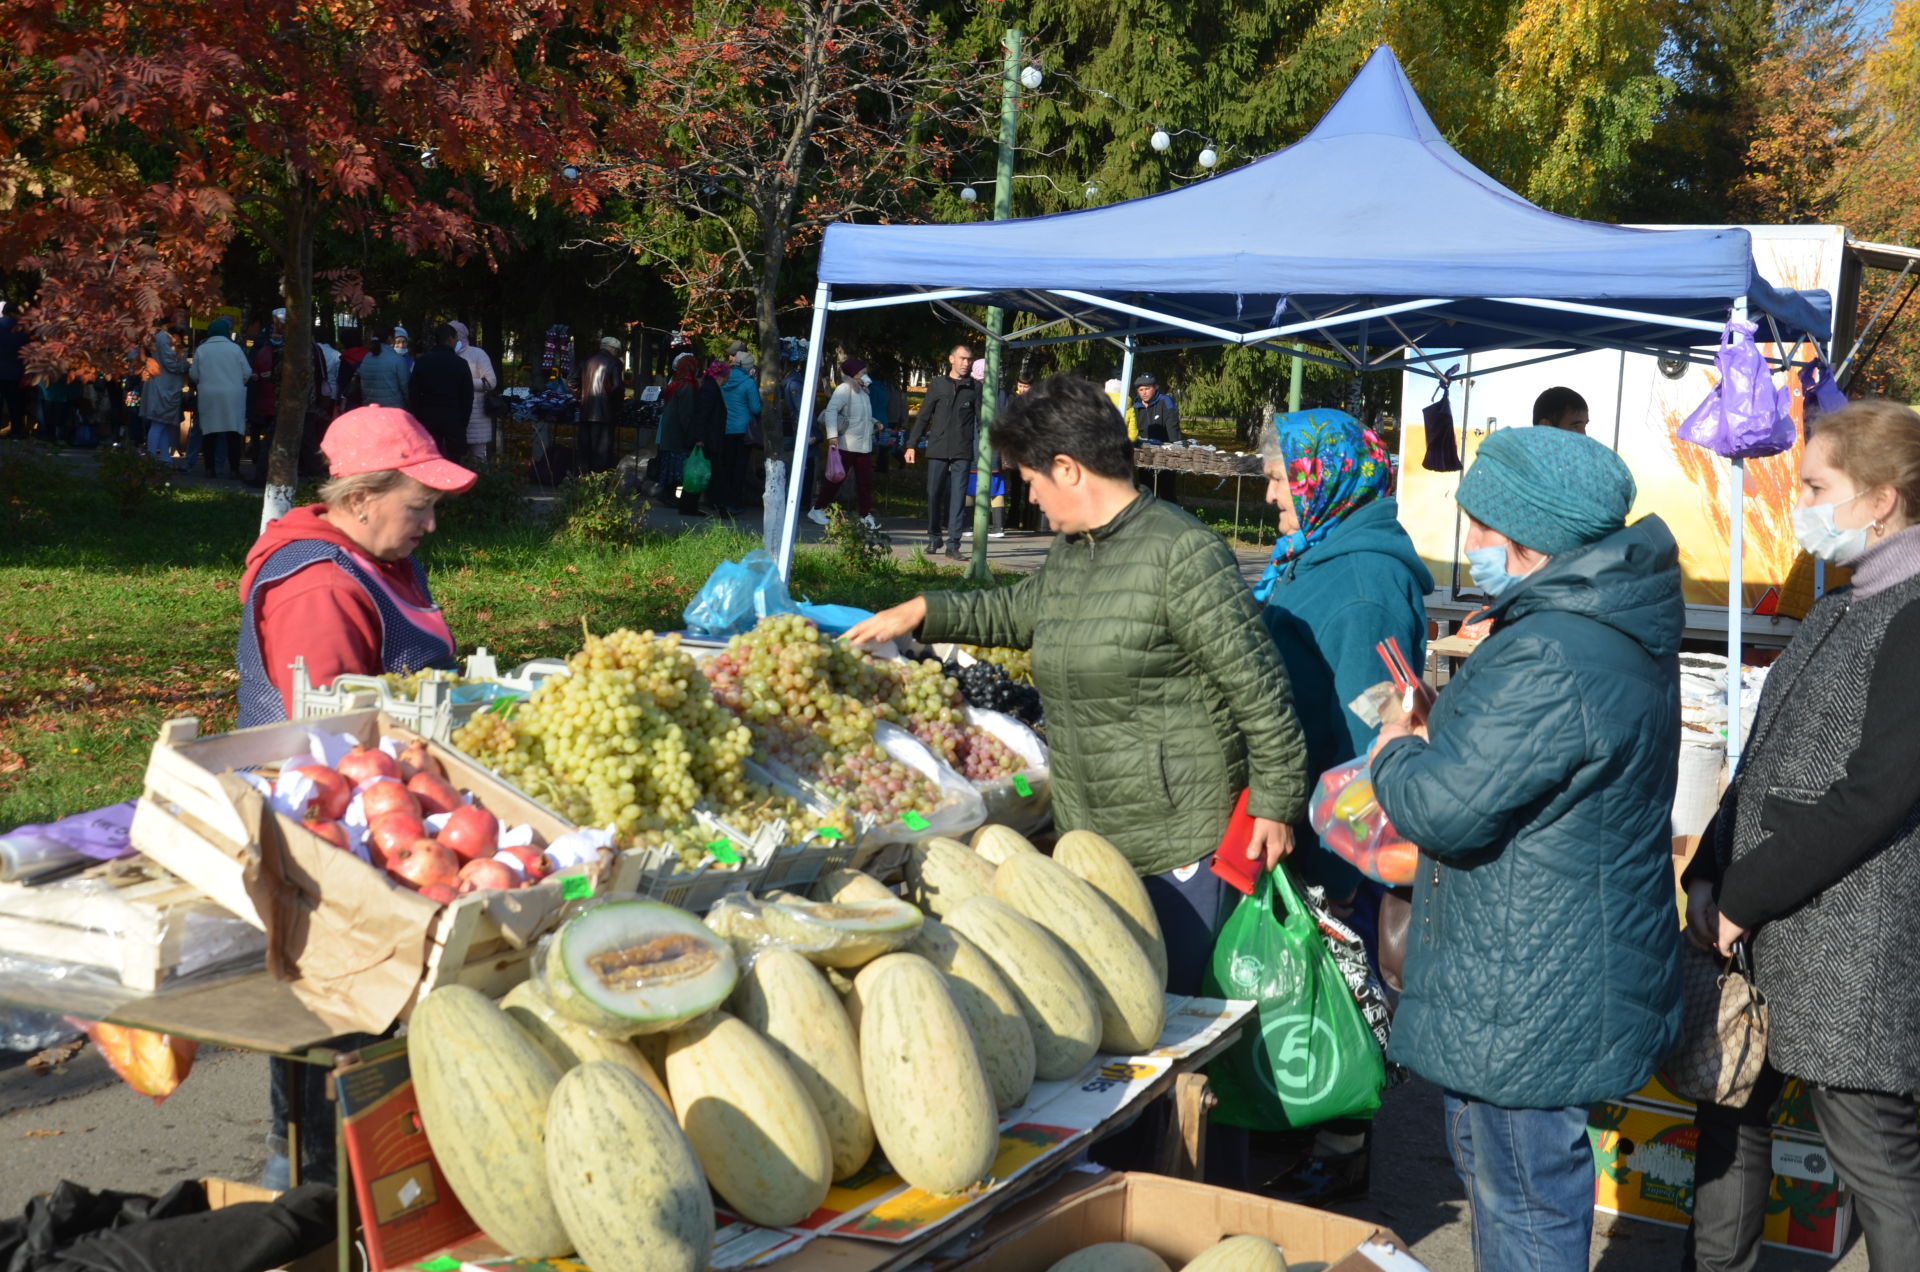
(144, 134)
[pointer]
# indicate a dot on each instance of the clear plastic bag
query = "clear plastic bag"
(1023, 800)
(960, 810)
(844, 935)
(1352, 825)
(737, 595)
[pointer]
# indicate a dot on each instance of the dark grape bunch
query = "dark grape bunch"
(988, 687)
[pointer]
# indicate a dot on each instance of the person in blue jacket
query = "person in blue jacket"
(1344, 578)
(732, 471)
(1542, 969)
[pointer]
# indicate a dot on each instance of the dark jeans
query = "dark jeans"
(860, 468)
(1529, 1180)
(946, 501)
(1875, 1152)
(730, 471)
(211, 446)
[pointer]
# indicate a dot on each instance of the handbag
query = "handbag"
(1744, 415)
(1723, 1029)
(1396, 918)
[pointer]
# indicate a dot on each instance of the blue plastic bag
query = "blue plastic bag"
(834, 619)
(737, 595)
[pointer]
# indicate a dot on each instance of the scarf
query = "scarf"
(685, 374)
(1334, 466)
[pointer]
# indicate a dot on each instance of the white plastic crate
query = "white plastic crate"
(434, 714)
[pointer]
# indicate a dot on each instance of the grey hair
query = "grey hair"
(338, 492)
(1270, 452)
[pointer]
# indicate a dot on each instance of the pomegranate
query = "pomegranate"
(332, 794)
(331, 831)
(433, 792)
(487, 873)
(472, 832)
(386, 795)
(423, 862)
(441, 892)
(390, 833)
(361, 765)
(532, 860)
(417, 759)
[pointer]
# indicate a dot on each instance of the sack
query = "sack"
(737, 595)
(1819, 393)
(1352, 825)
(1307, 1055)
(1723, 1029)
(1443, 452)
(836, 466)
(1744, 416)
(696, 473)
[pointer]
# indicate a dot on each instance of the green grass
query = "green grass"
(112, 623)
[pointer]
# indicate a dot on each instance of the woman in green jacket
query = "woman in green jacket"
(1164, 694)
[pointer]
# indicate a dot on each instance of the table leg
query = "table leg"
(295, 1075)
(1184, 1154)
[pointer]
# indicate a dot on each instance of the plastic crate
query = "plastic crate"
(696, 891)
(435, 714)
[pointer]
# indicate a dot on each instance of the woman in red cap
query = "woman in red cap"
(336, 582)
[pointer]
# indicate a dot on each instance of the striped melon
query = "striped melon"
(997, 843)
(1094, 858)
(1133, 1010)
(942, 872)
(750, 1121)
(1053, 995)
(634, 967)
(789, 1003)
(1112, 1256)
(483, 1087)
(840, 886)
(624, 1178)
(993, 1013)
(571, 1043)
(932, 1107)
(1241, 1254)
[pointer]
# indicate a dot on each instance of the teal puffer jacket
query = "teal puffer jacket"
(1543, 957)
(1164, 695)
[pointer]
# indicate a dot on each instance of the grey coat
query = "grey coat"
(1842, 971)
(160, 394)
(221, 372)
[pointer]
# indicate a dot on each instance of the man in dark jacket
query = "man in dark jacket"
(1152, 416)
(1542, 969)
(948, 420)
(601, 392)
(441, 392)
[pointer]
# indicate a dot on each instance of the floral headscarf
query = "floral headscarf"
(718, 370)
(686, 371)
(1334, 466)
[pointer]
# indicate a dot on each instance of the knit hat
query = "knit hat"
(221, 326)
(852, 368)
(1548, 490)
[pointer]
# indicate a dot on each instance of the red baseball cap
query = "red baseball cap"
(373, 439)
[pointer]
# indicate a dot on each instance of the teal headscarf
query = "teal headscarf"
(1333, 467)
(220, 327)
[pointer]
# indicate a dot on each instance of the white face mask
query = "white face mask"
(1822, 536)
(459, 345)
(865, 378)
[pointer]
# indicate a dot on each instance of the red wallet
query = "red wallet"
(1230, 860)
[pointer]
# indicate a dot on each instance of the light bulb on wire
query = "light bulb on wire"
(968, 194)
(1208, 158)
(1160, 141)
(1093, 192)
(1032, 76)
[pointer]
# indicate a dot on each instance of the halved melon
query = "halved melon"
(828, 933)
(636, 967)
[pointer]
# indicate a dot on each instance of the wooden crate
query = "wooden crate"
(191, 820)
(135, 933)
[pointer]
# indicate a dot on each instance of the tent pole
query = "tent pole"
(977, 568)
(1293, 383)
(803, 428)
(1126, 374)
(1736, 590)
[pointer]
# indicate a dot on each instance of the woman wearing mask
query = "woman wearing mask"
(1344, 577)
(848, 425)
(1542, 967)
(1814, 858)
(485, 380)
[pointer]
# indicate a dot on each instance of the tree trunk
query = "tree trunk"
(766, 297)
(296, 364)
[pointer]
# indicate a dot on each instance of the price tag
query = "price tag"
(1021, 786)
(914, 821)
(441, 1264)
(828, 832)
(573, 888)
(721, 850)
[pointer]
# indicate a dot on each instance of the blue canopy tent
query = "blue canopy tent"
(1370, 238)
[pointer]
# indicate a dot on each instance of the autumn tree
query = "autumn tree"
(1806, 103)
(145, 134)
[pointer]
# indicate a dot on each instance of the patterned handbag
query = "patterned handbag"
(1723, 1030)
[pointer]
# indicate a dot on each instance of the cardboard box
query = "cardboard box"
(222, 1193)
(1179, 1221)
(405, 1207)
(1644, 1169)
(1792, 1112)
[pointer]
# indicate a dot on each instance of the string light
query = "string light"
(1208, 158)
(1160, 141)
(1032, 76)
(968, 194)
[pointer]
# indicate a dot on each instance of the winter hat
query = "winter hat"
(852, 368)
(610, 344)
(1145, 377)
(220, 327)
(1546, 489)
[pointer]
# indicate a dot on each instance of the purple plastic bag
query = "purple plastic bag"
(1745, 415)
(1819, 393)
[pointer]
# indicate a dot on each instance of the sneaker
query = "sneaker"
(933, 547)
(870, 522)
(816, 516)
(996, 534)
(966, 534)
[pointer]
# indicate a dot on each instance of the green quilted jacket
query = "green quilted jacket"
(1164, 694)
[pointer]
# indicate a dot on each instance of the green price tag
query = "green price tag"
(827, 832)
(1021, 786)
(914, 821)
(721, 850)
(573, 888)
(441, 1264)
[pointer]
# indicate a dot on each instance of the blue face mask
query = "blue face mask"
(1489, 568)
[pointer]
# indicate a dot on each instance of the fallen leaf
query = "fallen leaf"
(43, 1134)
(10, 761)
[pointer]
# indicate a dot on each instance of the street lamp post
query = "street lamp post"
(1010, 80)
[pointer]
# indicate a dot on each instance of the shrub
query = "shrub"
(29, 478)
(130, 478)
(594, 508)
(862, 547)
(497, 499)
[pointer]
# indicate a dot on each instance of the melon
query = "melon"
(1094, 858)
(635, 967)
(789, 1003)
(1059, 1008)
(1112, 1256)
(483, 1087)
(1241, 1254)
(997, 843)
(941, 873)
(993, 1014)
(932, 1108)
(841, 886)
(1133, 1008)
(624, 1179)
(571, 1043)
(830, 933)
(752, 1124)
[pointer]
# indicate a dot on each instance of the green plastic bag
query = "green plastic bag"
(696, 473)
(1306, 1055)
